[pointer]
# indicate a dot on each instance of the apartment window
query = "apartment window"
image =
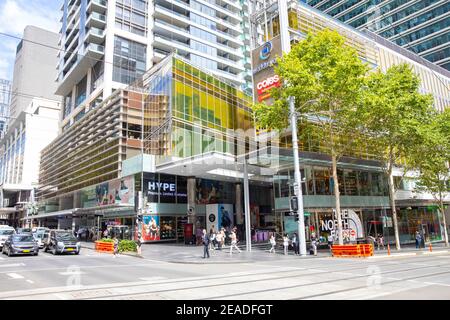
(129, 60)
(81, 92)
(131, 15)
(67, 105)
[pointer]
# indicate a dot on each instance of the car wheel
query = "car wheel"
(45, 249)
(54, 252)
(37, 253)
(9, 253)
(77, 252)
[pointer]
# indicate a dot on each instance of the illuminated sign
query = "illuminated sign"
(264, 86)
(264, 54)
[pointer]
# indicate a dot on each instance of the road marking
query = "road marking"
(12, 265)
(152, 278)
(438, 284)
(71, 273)
(14, 276)
(30, 281)
(1, 258)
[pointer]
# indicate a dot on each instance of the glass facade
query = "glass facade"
(129, 60)
(131, 15)
(421, 23)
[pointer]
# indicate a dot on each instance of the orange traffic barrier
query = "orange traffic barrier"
(101, 246)
(352, 250)
(389, 250)
(431, 248)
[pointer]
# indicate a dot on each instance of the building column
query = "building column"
(191, 190)
(59, 224)
(239, 206)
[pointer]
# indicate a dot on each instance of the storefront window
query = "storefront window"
(168, 228)
(309, 180)
(364, 183)
(322, 180)
(351, 183)
(377, 184)
(181, 189)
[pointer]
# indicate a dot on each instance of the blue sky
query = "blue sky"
(14, 16)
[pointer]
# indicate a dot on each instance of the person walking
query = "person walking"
(206, 241)
(330, 241)
(272, 243)
(234, 239)
(222, 237)
(139, 244)
(313, 245)
(212, 239)
(219, 240)
(418, 240)
(116, 247)
(295, 244)
(286, 244)
(380, 241)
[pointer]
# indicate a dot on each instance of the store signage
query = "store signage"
(351, 225)
(164, 189)
(266, 50)
(264, 86)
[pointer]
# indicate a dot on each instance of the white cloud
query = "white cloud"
(15, 15)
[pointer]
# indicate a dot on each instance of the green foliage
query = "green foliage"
(326, 78)
(107, 240)
(127, 246)
(394, 111)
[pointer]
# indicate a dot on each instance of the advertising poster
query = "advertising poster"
(290, 225)
(120, 191)
(212, 217)
(254, 215)
(151, 228)
(225, 216)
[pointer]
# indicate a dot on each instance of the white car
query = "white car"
(39, 237)
(5, 233)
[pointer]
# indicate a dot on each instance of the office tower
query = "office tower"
(421, 26)
(34, 69)
(5, 99)
(106, 45)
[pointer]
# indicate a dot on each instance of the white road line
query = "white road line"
(14, 276)
(152, 278)
(1, 258)
(71, 273)
(438, 284)
(12, 265)
(30, 281)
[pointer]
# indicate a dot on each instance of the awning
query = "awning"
(101, 211)
(61, 213)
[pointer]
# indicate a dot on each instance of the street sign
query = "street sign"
(307, 214)
(353, 233)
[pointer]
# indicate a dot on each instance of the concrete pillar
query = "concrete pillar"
(239, 205)
(59, 223)
(191, 199)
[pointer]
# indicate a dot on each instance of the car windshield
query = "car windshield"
(23, 238)
(6, 232)
(64, 236)
(39, 235)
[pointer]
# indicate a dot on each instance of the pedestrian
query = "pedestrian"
(418, 240)
(234, 239)
(105, 233)
(116, 247)
(313, 250)
(380, 241)
(219, 240)
(139, 244)
(212, 239)
(286, 243)
(272, 243)
(222, 236)
(206, 241)
(295, 244)
(330, 241)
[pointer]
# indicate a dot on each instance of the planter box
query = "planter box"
(352, 250)
(101, 246)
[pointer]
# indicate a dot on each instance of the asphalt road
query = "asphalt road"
(94, 275)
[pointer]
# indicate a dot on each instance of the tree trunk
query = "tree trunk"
(392, 200)
(338, 200)
(441, 207)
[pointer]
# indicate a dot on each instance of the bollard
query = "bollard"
(431, 248)
(389, 250)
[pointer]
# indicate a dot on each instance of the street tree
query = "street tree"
(394, 113)
(325, 77)
(431, 158)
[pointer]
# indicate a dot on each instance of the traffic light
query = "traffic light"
(294, 203)
(296, 217)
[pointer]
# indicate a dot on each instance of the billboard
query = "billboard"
(219, 215)
(151, 228)
(119, 191)
(263, 59)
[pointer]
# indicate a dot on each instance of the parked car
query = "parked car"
(61, 241)
(40, 229)
(23, 243)
(23, 230)
(39, 237)
(5, 233)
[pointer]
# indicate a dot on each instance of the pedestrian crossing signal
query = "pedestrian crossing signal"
(296, 217)
(294, 204)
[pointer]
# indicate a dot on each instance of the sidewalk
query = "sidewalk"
(180, 253)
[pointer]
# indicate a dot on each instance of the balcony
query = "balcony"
(96, 20)
(95, 35)
(97, 6)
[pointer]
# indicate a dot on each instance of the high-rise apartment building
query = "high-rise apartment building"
(34, 69)
(5, 99)
(108, 44)
(422, 26)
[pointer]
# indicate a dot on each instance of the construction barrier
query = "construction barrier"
(101, 246)
(352, 250)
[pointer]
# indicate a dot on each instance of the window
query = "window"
(129, 60)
